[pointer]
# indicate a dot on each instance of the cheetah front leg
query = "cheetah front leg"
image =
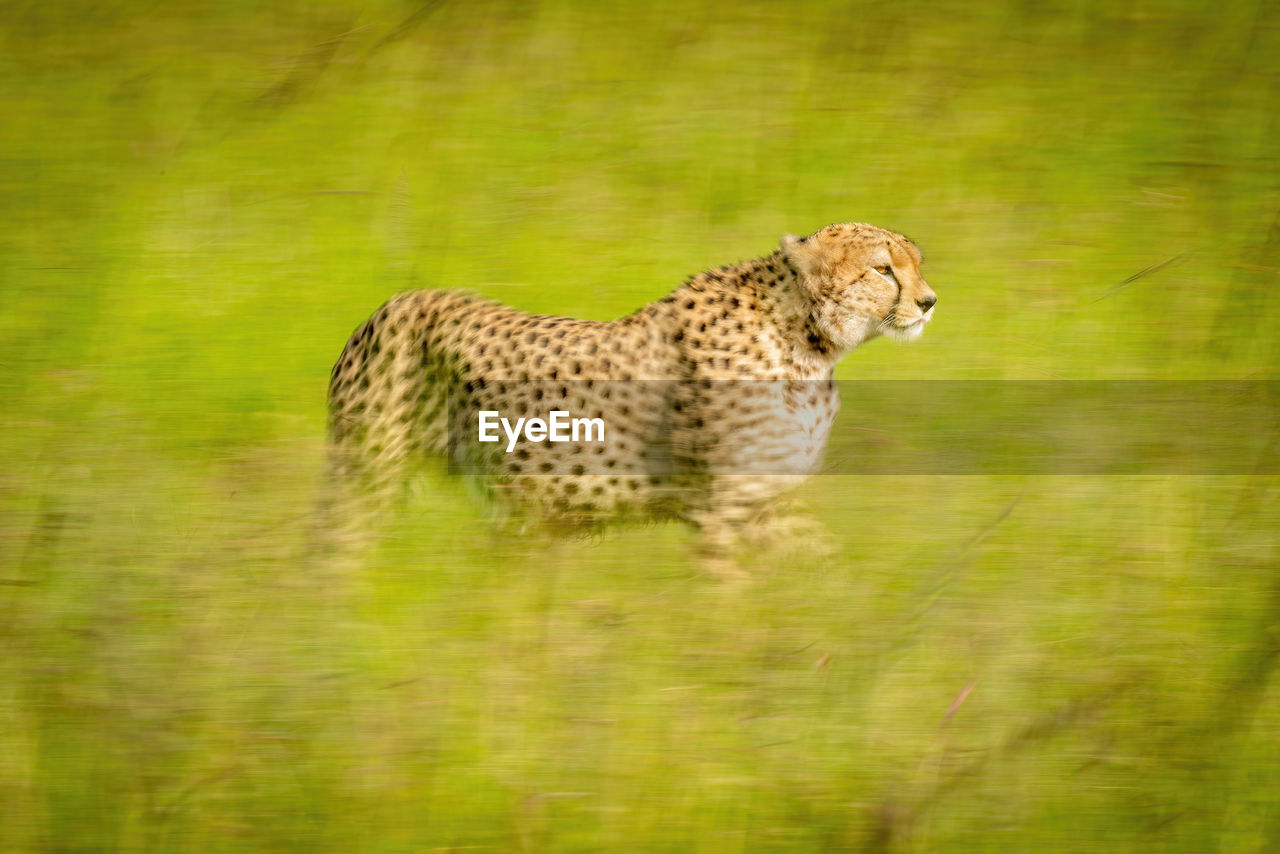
(743, 515)
(720, 539)
(724, 514)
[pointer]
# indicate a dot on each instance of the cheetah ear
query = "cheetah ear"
(804, 255)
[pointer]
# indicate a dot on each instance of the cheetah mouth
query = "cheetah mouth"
(904, 330)
(893, 323)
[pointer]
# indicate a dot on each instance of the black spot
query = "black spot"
(578, 469)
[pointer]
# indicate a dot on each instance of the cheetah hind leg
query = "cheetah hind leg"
(354, 504)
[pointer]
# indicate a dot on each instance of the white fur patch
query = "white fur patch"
(906, 333)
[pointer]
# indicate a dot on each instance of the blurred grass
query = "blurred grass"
(198, 202)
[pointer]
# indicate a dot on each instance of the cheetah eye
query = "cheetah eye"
(885, 271)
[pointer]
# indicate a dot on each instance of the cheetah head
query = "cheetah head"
(863, 282)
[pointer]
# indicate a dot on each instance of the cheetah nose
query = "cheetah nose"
(927, 303)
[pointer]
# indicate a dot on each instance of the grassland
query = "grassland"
(198, 202)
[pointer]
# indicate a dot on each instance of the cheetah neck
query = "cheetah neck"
(784, 299)
(764, 295)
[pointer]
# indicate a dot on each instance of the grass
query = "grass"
(199, 202)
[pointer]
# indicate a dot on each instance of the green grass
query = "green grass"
(198, 202)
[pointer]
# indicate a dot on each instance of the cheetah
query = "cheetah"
(715, 400)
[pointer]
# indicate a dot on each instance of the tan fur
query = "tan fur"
(785, 318)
